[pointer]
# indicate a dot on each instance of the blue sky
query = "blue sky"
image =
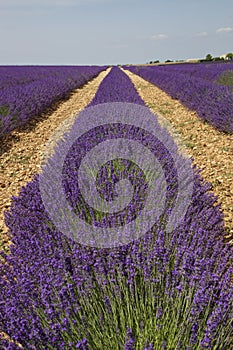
(113, 31)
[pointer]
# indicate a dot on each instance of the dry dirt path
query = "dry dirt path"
(22, 152)
(211, 149)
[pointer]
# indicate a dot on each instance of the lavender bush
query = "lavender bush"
(26, 92)
(195, 86)
(162, 291)
(116, 88)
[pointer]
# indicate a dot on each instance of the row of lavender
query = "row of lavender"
(195, 86)
(26, 92)
(161, 291)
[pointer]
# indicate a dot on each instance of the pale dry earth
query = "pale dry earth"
(211, 149)
(22, 152)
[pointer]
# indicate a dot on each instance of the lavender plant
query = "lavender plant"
(165, 290)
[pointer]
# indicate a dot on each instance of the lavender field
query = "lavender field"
(197, 86)
(26, 92)
(166, 289)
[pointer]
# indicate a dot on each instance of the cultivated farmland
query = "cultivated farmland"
(197, 87)
(26, 93)
(166, 287)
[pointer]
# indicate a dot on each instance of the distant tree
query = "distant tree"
(229, 56)
(208, 57)
(151, 62)
(167, 61)
(218, 59)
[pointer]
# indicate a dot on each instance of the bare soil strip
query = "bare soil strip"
(211, 149)
(22, 152)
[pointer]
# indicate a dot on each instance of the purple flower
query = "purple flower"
(130, 340)
(82, 345)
